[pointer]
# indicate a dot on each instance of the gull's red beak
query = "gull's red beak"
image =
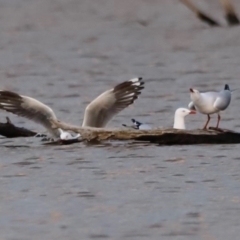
(193, 112)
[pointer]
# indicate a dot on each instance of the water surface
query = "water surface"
(65, 53)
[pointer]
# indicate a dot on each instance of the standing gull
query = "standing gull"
(210, 102)
(179, 120)
(97, 114)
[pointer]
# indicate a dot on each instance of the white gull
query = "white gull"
(210, 102)
(97, 114)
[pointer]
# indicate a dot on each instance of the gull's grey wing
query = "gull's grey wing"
(103, 108)
(223, 100)
(29, 108)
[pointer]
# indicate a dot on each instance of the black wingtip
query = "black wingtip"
(137, 123)
(140, 79)
(226, 87)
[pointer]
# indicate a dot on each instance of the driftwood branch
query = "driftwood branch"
(230, 14)
(9, 130)
(200, 14)
(160, 136)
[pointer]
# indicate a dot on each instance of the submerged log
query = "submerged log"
(160, 136)
(9, 130)
(200, 14)
(230, 13)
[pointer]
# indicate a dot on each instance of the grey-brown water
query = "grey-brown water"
(65, 53)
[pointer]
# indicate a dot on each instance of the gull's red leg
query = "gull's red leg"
(219, 118)
(205, 126)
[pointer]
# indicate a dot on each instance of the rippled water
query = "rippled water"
(65, 53)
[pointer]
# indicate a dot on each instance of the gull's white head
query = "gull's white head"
(68, 136)
(65, 136)
(194, 94)
(183, 112)
(180, 114)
